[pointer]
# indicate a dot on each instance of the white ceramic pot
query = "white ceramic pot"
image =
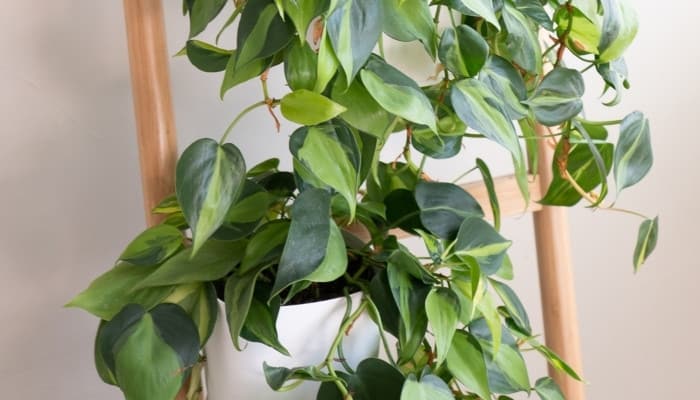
(306, 330)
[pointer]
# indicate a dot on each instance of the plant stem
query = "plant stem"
(591, 198)
(239, 117)
(600, 123)
(344, 328)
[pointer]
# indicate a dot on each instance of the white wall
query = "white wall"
(70, 199)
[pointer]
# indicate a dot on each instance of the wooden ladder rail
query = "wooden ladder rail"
(150, 80)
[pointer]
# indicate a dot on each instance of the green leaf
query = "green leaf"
(300, 67)
(209, 178)
(620, 26)
(354, 27)
(582, 33)
(589, 8)
(547, 389)
(260, 324)
(601, 163)
(443, 310)
(522, 42)
(506, 84)
(493, 319)
(558, 97)
(443, 207)
(327, 63)
(633, 154)
(510, 364)
(477, 239)
(206, 57)
(410, 296)
(276, 377)
(409, 20)
(513, 305)
(582, 167)
(463, 51)
(326, 157)
(239, 292)
(302, 12)
(466, 363)
(480, 109)
(614, 74)
(114, 289)
(646, 241)
(362, 111)
(375, 379)
(403, 260)
(491, 189)
(308, 108)
(251, 206)
(150, 353)
(271, 165)
(536, 11)
(397, 93)
(236, 74)
(261, 32)
(307, 243)
(265, 246)
(201, 13)
(483, 8)
(214, 261)
(200, 302)
(430, 387)
(153, 245)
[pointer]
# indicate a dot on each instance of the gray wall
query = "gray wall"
(70, 198)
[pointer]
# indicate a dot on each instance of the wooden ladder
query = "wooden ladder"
(157, 142)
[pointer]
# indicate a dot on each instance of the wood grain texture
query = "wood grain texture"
(557, 281)
(150, 82)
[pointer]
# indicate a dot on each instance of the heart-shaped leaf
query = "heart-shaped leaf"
(620, 26)
(309, 108)
(209, 178)
(466, 362)
(354, 27)
(430, 387)
(443, 207)
(409, 20)
(443, 310)
(463, 51)
(522, 41)
(633, 154)
(206, 57)
(153, 245)
(558, 97)
(646, 241)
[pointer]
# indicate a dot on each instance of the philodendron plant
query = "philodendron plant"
(259, 238)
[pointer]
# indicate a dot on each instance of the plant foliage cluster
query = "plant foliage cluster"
(259, 237)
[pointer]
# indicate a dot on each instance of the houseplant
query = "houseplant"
(259, 237)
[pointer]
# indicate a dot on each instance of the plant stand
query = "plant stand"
(158, 153)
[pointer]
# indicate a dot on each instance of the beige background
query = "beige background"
(70, 199)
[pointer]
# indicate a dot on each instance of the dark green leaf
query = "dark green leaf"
(153, 245)
(214, 260)
(206, 57)
(466, 363)
(646, 241)
(236, 74)
(209, 178)
(313, 243)
(264, 168)
(265, 246)
(261, 32)
(558, 97)
(200, 302)
(260, 324)
(202, 12)
(510, 364)
(375, 379)
(397, 93)
(463, 51)
(308, 108)
(443, 207)
(410, 295)
(409, 20)
(477, 239)
(354, 27)
(633, 154)
(303, 12)
(402, 211)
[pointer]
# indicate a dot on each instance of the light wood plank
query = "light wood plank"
(557, 281)
(150, 82)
